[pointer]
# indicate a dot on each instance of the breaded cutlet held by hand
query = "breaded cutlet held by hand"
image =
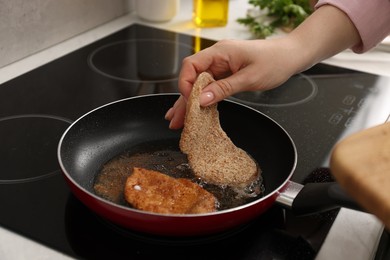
(211, 154)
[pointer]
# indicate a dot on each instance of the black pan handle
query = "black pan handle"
(320, 197)
(315, 198)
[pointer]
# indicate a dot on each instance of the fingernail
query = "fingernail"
(168, 115)
(206, 98)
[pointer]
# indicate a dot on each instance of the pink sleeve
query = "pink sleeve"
(370, 17)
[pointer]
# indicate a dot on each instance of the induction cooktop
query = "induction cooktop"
(317, 107)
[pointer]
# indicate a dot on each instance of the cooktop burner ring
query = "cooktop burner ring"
(140, 60)
(29, 152)
(297, 90)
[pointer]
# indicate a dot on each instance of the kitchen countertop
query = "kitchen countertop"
(337, 245)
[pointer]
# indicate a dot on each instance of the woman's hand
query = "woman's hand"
(263, 64)
(237, 66)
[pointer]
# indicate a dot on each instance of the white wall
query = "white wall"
(28, 26)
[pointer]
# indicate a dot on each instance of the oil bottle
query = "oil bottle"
(210, 13)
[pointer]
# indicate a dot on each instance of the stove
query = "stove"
(317, 107)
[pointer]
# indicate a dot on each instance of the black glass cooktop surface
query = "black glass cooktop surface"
(316, 107)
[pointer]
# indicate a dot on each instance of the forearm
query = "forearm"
(323, 34)
(371, 18)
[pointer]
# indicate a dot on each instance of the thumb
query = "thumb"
(218, 90)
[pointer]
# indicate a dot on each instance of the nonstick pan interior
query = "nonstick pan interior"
(124, 125)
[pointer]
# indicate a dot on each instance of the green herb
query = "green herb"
(267, 15)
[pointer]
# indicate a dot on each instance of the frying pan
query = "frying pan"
(109, 130)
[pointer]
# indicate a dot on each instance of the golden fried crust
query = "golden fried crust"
(156, 192)
(205, 201)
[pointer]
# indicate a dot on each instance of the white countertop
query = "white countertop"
(337, 246)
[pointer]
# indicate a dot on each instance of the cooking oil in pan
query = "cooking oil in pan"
(110, 181)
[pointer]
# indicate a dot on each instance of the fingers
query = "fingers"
(215, 92)
(226, 87)
(217, 61)
(176, 114)
(192, 66)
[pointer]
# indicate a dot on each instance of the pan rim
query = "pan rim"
(274, 192)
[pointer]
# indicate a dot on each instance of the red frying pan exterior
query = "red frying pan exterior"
(107, 131)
